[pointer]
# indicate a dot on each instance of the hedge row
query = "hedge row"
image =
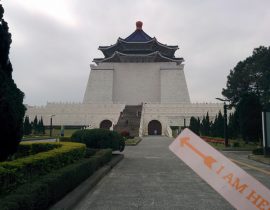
(258, 151)
(50, 188)
(19, 171)
(99, 139)
(104, 156)
(26, 148)
(64, 139)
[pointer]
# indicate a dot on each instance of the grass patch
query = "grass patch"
(57, 132)
(236, 145)
(133, 142)
(36, 137)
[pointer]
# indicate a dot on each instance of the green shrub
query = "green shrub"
(236, 144)
(103, 156)
(64, 139)
(90, 152)
(21, 170)
(50, 188)
(26, 149)
(99, 139)
(258, 151)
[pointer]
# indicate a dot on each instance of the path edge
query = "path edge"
(69, 201)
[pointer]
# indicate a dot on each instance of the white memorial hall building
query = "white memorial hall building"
(138, 86)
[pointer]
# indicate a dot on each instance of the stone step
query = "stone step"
(129, 120)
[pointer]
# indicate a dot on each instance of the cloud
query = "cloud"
(54, 43)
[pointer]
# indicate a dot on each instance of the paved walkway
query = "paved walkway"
(259, 171)
(151, 177)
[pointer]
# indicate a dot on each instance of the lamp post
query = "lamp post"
(225, 107)
(51, 124)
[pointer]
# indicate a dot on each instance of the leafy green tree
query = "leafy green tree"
(27, 127)
(12, 109)
(42, 127)
(35, 125)
(248, 89)
(194, 125)
(249, 109)
(217, 128)
(202, 129)
(251, 76)
(39, 127)
(233, 126)
(205, 125)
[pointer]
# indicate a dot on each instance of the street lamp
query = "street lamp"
(225, 107)
(51, 125)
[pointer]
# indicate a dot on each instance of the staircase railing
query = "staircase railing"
(141, 122)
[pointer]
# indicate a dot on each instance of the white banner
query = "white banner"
(233, 183)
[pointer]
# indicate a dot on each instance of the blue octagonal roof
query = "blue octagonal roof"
(138, 36)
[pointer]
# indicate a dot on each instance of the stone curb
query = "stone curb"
(72, 198)
(236, 150)
(259, 158)
(37, 139)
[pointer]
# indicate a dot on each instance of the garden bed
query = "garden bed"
(133, 142)
(50, 188)
(38, 162)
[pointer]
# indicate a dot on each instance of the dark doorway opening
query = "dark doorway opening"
(106, 124)
(154, 128)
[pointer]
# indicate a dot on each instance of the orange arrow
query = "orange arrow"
(208, 160)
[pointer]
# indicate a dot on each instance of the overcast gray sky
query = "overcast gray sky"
(54, 41)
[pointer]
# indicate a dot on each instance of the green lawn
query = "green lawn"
(133, 142)
(55, 134)
(242, 145)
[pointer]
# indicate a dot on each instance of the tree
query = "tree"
(205, 125)
(12, 109)
(249, 110)
(233, 125)
(248, 89)
(42, 127)
(35, 125)
(251, 76)
(217, 128)
(27, 127)
(194, 125)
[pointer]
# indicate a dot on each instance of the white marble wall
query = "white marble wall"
(93, 114)
(173, 84)
(76, 113)
(174, 114)
(161, 86)
(134, 83)
(100, 85)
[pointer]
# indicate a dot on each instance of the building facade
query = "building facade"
(138, 86)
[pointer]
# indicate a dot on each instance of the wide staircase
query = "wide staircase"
(129, 120)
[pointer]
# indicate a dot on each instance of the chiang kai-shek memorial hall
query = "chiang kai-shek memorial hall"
(138, 86)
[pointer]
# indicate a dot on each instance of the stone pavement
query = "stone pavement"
(152, 177)
(258, 170)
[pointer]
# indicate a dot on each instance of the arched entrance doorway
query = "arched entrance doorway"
(106, 124)
(154, 128)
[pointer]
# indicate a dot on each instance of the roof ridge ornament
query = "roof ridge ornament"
(139, 25)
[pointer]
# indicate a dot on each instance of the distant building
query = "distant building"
(139, 87)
